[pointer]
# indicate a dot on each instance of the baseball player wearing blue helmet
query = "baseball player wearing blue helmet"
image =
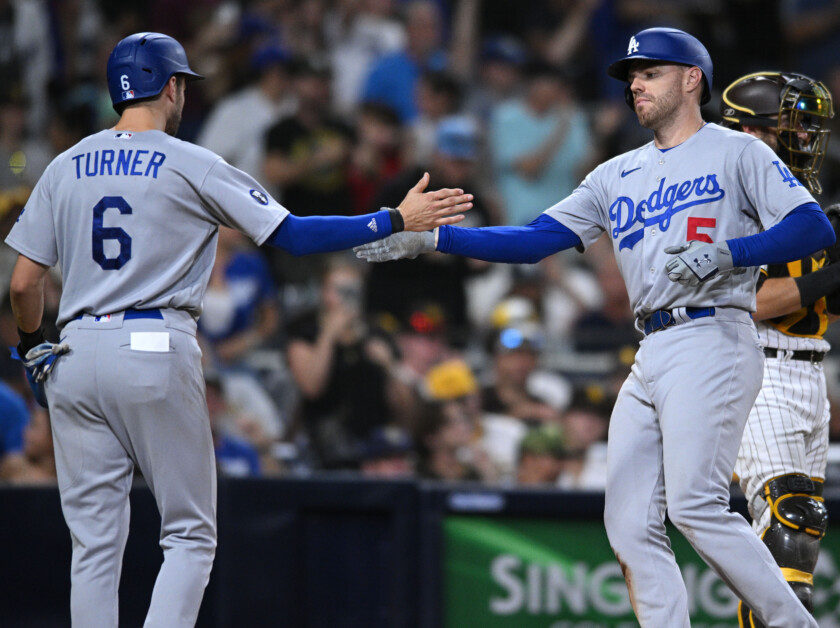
(140, 65)
(132, 214)
(691, 216)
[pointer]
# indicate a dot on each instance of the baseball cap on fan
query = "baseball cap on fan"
(425, 318)
(452, 379)
(457, 137)
(522, 336)
(503, 50)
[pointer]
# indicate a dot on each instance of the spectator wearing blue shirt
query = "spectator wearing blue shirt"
(14, 415)
(539, 145)
(235, 457)
(240, 312)
(393, 79)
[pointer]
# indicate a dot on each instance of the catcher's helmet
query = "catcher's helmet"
(665, 44)
(141, 64)
(795, 105)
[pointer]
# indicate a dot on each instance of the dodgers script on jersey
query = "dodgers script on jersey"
(96, 197)
(717, 185)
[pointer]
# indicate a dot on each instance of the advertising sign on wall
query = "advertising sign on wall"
(540, 573)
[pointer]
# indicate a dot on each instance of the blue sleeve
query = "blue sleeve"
(325, 234)
(514, 245)
(799, 234)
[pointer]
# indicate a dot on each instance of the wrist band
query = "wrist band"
(818, 284)
(397, 222)
(30, 339)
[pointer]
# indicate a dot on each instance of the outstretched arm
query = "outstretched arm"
(514, 245)
(529, 244)
(419, 211)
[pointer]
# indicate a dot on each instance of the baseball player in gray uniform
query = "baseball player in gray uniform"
(131, 216)
(691, 215)
(781, 464)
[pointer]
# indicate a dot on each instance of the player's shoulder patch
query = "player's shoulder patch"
(258, 196)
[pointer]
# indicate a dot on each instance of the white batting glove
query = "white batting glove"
(403, 245)
(696, 262)
(39, 360)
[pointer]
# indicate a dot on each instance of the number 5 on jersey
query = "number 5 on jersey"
(102, 233)
(694, 223)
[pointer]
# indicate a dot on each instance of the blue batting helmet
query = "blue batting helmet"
(665, 44)
(141, 64)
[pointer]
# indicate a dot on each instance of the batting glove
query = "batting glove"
(38, 362)
(403, 245)
(696, 262)
(40, 359)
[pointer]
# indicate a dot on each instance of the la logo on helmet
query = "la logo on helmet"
(633, 46)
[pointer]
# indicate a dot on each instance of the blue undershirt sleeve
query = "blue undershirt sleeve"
(513, 245)
(801, 232)
(303, 235)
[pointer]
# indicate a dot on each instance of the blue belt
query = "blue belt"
(661, 319)
(131, 313)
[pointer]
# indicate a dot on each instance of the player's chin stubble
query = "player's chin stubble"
(657, 110)
(655, 113)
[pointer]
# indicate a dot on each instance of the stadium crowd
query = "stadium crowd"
(440, 367)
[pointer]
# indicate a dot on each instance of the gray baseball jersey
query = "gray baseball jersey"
(718, 184)
(144, 204)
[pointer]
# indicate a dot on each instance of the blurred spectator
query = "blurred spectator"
(498, 77)
(22, 158)
(14, 415)
(438, 97)
(540, 145)
(517, 388)
(36, 465)
(387, 453)
(307, 155)
(12, 201)
(558, 30)
(584, 424)
(236, 127)
(303, 27)
(359, 33)
(421, 339)
(541, 455)
(393, 79)
(341, 368)
(498, 435)
(240, 307)
(234, 457)
(26, 59)
(569, 289)
(610, 326)
(376, 155)
(393, 286)
(308, 151)
(448, 451)
(812, 29)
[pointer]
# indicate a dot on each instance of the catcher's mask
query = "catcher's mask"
(796, 106)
